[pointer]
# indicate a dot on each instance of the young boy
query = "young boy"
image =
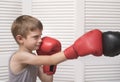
(24, 64)
(27, 32)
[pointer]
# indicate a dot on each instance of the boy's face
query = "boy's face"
(33, 40)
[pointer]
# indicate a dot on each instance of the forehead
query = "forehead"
(35, 32)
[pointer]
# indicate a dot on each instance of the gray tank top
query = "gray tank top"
(29, 74)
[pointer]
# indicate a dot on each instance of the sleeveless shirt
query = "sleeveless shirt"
(29, 74)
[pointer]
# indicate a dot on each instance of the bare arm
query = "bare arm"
(28, 58)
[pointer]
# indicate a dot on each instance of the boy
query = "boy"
(19, 64)
(27, 31)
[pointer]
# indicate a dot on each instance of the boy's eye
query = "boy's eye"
(37, 37)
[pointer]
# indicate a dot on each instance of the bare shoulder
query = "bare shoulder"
(19, 61)
(16, 64)
(22, 56)
(16, 58)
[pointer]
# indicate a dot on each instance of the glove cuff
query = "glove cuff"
(70, 53)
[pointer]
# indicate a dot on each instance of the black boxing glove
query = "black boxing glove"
(111, 43)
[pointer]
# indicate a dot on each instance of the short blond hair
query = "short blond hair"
(24, 24)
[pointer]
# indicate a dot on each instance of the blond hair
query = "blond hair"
(24, 24)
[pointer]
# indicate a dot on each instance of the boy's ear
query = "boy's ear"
(19, 39)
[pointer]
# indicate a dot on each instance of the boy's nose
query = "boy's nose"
(40, 40)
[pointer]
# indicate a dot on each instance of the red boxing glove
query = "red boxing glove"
(89, 43)
(49, 46)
